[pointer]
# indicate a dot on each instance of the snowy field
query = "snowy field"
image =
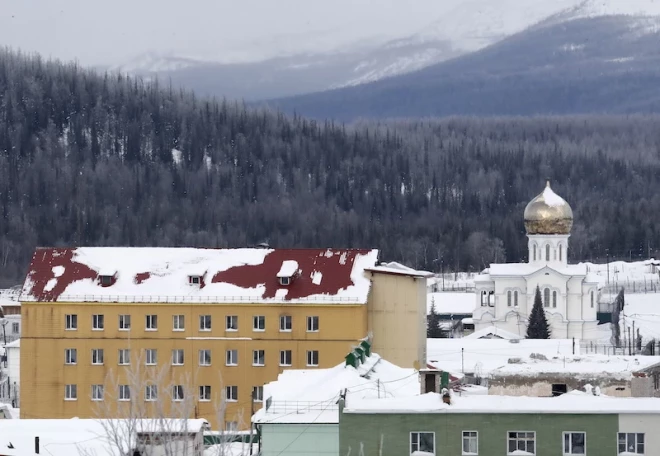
(451, 302)
(644, 311)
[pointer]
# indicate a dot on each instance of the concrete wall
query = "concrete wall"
(299, 439)
(646, 424)
(541, 385)
(397, 318)
(391, 432)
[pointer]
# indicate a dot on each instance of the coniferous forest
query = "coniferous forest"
(103, 159)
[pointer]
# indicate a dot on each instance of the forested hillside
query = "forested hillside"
(88, 159)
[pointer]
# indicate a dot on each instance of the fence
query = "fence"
(646, 286)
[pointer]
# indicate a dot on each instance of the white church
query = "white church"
(505, 292)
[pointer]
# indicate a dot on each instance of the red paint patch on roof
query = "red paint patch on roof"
(141, 277)
(41, 272)
(334, 265)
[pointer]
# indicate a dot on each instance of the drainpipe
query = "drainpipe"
(36, 445)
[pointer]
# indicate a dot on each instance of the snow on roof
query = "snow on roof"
(618, 366)
(161, 275)
(399, 269)
(551, 198)
(66, 437)
(482, 356)
(569, 403)
(305, 396)
(526, 269)
(451, 303)
(498, 333)
(9, 297)
(14, 344)
(288, 269)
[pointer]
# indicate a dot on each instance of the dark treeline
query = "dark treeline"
(87, 159)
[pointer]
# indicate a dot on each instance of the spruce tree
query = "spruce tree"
(537, 326)
(433, 323)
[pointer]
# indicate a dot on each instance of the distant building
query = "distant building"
(505, 292)
(226, 320)
(10, 375)
(10, 315)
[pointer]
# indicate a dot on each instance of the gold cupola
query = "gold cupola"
(548, 213)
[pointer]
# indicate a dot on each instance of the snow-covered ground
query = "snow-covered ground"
(642, 310)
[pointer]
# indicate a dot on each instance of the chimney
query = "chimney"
(36, 445)
(446, 397)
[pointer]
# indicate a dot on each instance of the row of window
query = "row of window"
(488, 298)
(178, 357)
(178, 393)
(178, 323)
(560, 250)
(524, 442)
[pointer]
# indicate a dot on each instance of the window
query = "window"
(124, 393)
(515, 298)
(205, 393)
(285, 281)
(312, 358)
(546, 297)
(285, 357)
(97, 392)
(285, 323)
(194, 280)
(509, 298)
(561, 251)
(231, 426)
(204, 322)
(470, 442)
(97, 356)
(554, 298)
(15, 328)
(97, 322)
(232, 358)
(231, 393)
(258, 357)
(521, 441)
(312, 324)
(124, 356)
(558, 389)
(258, 393)
(547, 252)
(231, 323)
(491, 299)
(71, 322)
(484, 298)
(178, 323)
(70, 356)
(124, 322)
(70, 392)
(591, 297)
(177, 357)
(106, 280)
(631, 443)
(422, 441)
(575, 443)
(151, 392)
(151, 356)
(152, 323)
(205, 357)
(177, 393)
(534, 250)
(259, 323)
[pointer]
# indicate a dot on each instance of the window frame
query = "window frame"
(231, 426)
(96, 319)
(123, 319)
(311, 353)
(547, 252)
(183, 357)
(120, 357)
(95, 390)
(151, 393)
(147, 360)
(626, 434)
(204, 393)
(151, 320)
(475, 437)
(283, 360)
(229, 353)
(546, 297)
(229, 319)
(70, 356)
(508, 438)
(178, 393)
(203, 319)
(15, 327)
(310, 323)
(419, 433)
(71, 392)
(256, 319)
(569, 434)
(255, 358)
(199, 357)
(258, 397)
(283, 320)
(71, 322)
(124, 393)
(95, 356)
(229, 391)
(509, 298)
(178, 322)
(554, 299)
(515, 298)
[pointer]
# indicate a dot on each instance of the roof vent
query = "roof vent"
(287, 272)
(194, 279)
(107, 278)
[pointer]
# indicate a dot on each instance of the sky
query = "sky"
(100, 32)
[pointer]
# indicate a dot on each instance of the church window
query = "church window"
(515, 298)
(592, 299)
(547, 252)
(491, 299)
(561, 249)
(546, 297)
(484, 298)
(554, 299)
(534, 250)
(508, 298)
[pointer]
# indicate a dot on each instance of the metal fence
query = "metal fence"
(646, 286)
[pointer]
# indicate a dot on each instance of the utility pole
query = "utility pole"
(633, 333)
(574, 345)
(462, 361)
(378, 386)
(607, 259)
(254, 393)
(629, 344)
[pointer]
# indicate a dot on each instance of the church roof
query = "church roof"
(526, 269)
(548, 213)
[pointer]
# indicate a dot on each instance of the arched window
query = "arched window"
(547, 252)
(484, 298)
(561, 251)
(546, 297)
(554, 299)
(508, 298)
(592, 299)
(534, 250)
(491, 299)
(515, 298)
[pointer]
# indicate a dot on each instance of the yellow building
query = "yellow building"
(109, 332)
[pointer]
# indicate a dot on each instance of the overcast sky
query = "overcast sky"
(113, 31)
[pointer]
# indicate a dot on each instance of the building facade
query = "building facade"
(505, 292)
(108, 329)
(10, 379)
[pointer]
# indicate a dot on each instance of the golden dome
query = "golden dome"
(548, 213)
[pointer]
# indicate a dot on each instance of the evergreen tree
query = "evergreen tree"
(619, 303)
(433, 323)
(537, 326)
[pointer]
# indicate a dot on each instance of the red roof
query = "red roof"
(163, 274)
